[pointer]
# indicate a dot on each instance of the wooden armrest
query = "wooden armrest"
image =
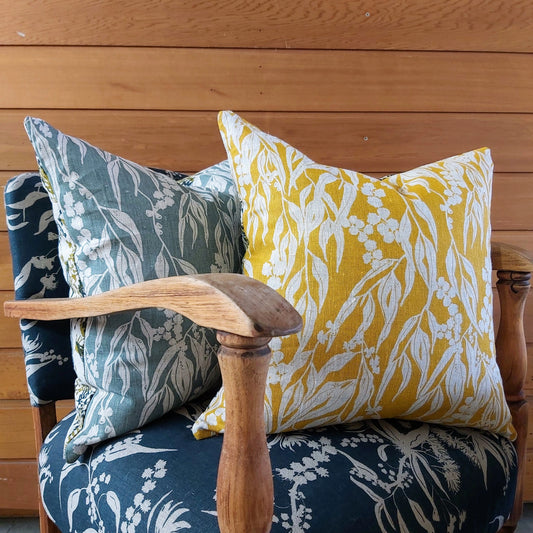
(226, 302)
(246, 314)
(513, 258)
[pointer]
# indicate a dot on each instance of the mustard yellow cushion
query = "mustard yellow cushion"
(392, 278)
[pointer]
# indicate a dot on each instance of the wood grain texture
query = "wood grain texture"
(528, 387)
(12, 375)
(528, 316)
(511, 353)
(378, 143)
(226, 302)
(245, 490)
(497, 25)
(509, 213)
(9, 327)
(17, 437)
(18, 487)
(266, 80)
(528, 482)
(15, 420)
(6, 270)
(505, 256)
(522, 239)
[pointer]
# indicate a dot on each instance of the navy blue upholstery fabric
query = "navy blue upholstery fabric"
(379, 476)
(33, 241)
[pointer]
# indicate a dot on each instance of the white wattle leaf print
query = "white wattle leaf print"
(407, 372)
(420, 349)
(121, 267)
(23, 275)
(321, 275)
(134, 172)
(333, 364)
(185, 267)
(44, 221)
(426, 218)
(425, 258)
(389, 296)
(28, 201)
(456, 380)
(385, 245)
(307, 307)
(127, 225)
(113, 502)
(72, 505)
(113, 169)
(161, 266)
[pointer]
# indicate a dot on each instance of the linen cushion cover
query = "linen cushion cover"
(392, 278)
(121, 223)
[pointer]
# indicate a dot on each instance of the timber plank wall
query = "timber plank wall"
(377, 86)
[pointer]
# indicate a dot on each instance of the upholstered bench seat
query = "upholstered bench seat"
(166, 479)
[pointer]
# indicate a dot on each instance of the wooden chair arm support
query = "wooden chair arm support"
(226, 302)
(513, 258)
(514, 266)
(246, 314)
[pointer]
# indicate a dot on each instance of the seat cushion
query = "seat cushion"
(372, 476)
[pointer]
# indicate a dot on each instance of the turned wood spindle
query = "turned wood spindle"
(245, 492)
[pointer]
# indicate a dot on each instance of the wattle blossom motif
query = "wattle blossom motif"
(391, 277)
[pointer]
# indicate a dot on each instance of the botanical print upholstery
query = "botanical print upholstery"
(392, 278)
(121, 223)
(37, 271)
(373, 476)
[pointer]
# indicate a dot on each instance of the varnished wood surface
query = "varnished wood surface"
(226, 302)
(498, 25)
(266, 80)
(12, 375)
(17, 438)
(378, 143)
(505, 256)
(511, 352)
(18, 488)
(245, 490)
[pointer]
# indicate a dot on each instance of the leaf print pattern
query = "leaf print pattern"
(373, 476)
(120, 223)
(391, 277)
(37, 271)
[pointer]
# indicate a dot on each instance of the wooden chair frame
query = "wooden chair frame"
(246, 315)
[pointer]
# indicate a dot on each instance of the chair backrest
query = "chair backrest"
(38, 274)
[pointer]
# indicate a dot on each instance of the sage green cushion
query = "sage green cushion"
(121, 223)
